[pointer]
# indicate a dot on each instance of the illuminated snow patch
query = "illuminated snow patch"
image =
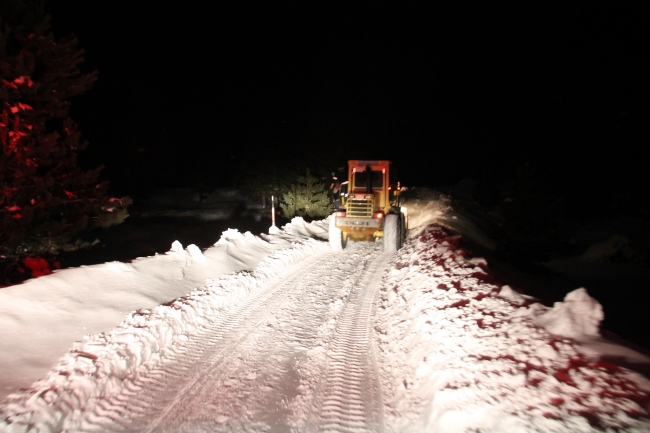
(460, 352)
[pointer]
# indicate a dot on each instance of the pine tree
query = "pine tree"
(45, 199)
(308, 197)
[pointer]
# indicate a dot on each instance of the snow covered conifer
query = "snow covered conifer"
(45, 199)
(308, 197)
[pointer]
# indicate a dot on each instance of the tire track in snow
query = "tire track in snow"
(180, 375)
(238, 373)
(349, 398)
(215, 344)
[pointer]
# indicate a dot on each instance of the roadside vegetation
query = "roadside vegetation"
(46, 200)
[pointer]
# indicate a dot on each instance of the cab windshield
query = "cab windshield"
(361, 179)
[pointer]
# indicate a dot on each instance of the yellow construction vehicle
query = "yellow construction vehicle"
(368, 209)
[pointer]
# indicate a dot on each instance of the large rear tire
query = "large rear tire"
(392, 235)
(338, 240)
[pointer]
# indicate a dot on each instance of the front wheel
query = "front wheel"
(338, 240)
(392, 233)
(403, 230)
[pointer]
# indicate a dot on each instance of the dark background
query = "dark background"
(188, 93)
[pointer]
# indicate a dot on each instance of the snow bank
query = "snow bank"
(511, 295)
(459, 352)
(101, 365)
(43, 317)
(579, 316)
(301, 229)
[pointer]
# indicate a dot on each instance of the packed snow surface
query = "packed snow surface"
(279, 333)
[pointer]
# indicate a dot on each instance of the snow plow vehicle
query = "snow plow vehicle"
(368, 208)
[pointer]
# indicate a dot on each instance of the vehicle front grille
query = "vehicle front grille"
(359, 208)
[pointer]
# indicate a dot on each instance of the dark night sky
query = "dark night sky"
(186, 92)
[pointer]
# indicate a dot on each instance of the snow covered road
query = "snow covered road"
(307, 340)
(296, 354)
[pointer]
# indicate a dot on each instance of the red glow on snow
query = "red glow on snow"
(459, 303)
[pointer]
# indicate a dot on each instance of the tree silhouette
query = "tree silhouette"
(45, 199)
